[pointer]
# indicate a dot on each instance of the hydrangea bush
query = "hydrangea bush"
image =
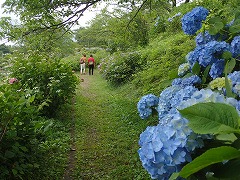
(120, 67)
(50, 81)
(200, 108)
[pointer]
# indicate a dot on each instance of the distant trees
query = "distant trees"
(52, 20)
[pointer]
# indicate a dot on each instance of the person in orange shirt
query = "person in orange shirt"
(91, 63)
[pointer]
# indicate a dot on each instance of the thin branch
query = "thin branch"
(131, 20)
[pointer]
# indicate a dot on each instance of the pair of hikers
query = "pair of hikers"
(91, 63)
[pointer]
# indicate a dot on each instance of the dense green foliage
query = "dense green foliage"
(17, 132)
(26, 137)
(40, 87)
(51, 82)
(119, 68)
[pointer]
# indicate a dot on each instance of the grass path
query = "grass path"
(107, 129)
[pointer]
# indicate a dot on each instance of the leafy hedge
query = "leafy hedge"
(17, 131)
(52, 83)
(120, 67)
(72, 61)
(41, 85)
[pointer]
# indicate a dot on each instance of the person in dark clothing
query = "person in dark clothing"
(91, 63)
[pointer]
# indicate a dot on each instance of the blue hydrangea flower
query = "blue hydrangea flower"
(235, 46)
(171, 97)
(183, 69)
(235, 79)
(203, 38)
(190, 81)
(217, 69)
(236, 89)
(163, 148)
(193, 56)
(207, 95)
(177, 81)
(212, 51)
(192, 21)
(164, 105)
(146, 104)
(182, 95)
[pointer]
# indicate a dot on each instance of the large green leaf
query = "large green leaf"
(211, 118)
(211, 156)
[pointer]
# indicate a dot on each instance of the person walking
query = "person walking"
(83, 64)
(91, 63)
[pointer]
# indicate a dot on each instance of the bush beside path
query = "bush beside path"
(107, 129)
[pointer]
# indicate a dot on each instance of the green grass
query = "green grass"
(107, 132)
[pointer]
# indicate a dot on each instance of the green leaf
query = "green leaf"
(174, 176)
(205, 74)
(211, 118)
(237, 15)
(14, 171)
(227, 55)
(228, 87)
(211, 156)
(215, 25)
(227, 137)
(196, 68)
(230, 66)
(9, 154)
(235, 28)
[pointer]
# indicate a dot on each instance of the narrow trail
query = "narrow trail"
(105, 134)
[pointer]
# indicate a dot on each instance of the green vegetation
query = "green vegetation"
(136, 55)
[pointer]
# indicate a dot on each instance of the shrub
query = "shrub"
(51, 82)
(17, 131)
(120, 67)
(72, 61)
